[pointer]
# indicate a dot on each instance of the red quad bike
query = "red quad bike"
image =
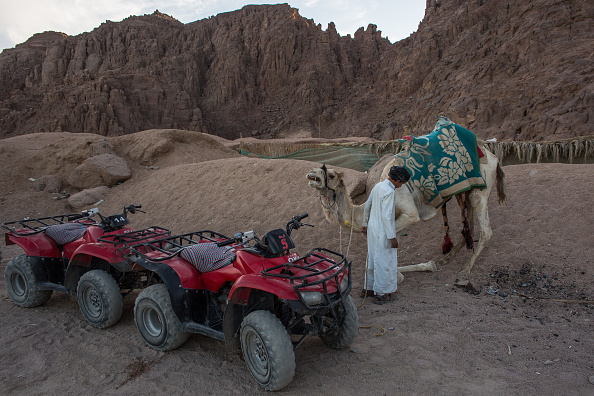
(255, 295)
(73, 253)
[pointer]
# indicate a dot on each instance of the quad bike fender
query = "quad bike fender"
(186, 274)
(234, 314)
(82, 257)
(173, 280)
(251, 291)
(241, 290)
(84, 254)
(38, 244)
(243, 299)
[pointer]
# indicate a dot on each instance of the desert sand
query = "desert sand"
(524, 327)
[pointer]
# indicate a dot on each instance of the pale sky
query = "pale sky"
(20, 19)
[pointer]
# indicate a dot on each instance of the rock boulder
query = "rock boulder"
(49, 183)
(100, 170)
(87, 197)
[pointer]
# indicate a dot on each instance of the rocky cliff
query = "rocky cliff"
(502, 68)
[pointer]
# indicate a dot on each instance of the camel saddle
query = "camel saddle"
(444, 162)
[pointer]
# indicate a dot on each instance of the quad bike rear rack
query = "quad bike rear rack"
(125, 240)
(308, 263)
(171, 246)
(29, 226)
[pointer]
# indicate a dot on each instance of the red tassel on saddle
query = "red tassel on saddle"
(447, 244)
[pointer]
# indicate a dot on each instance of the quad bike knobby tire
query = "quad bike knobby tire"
(21, 283)
(99, 299)
(267, 350)
(347, 326)
(155, 320)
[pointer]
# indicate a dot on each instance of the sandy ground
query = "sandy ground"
(507, 335)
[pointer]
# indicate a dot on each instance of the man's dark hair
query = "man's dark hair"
(399, 173)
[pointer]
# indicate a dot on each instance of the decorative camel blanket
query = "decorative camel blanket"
(444, 162)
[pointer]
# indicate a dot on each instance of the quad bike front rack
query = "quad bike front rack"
(310, 263)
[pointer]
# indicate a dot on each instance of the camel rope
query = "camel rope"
(383, 331)
(329, 207)
(346, 222)
(378, 334)
(350, 237)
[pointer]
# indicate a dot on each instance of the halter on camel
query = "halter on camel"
(330, 206)
(325, 170)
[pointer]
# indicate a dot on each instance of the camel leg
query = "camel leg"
(461, 242)
(405, 220)
(453, 252)
(479, 200)
(428, 266)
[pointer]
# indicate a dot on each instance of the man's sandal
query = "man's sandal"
(381, 300)
(368, 293)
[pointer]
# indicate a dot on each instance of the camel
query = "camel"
(412, 206)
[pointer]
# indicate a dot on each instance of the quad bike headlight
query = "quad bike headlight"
(344, 283)
(312, 297)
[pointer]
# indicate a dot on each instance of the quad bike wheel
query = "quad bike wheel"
(346, 329)
(155, 320)
(99, 299)
(267, 350)
(21, 283)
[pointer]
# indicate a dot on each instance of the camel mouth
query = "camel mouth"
(314, 180)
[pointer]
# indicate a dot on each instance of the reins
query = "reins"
(342, 219)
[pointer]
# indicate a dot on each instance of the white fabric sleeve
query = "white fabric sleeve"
(388, 211)
(367, 209)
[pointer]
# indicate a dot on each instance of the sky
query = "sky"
(20, 19)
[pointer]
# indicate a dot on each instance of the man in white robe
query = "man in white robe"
(380, 228)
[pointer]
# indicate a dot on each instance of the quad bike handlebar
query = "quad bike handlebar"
(133, 208)
(115, 222)
(295, 223)
(243, 238)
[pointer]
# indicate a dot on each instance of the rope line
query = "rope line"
(329, 207)
(378, 334)
(346, 222)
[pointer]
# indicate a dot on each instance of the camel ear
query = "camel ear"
(340, 175)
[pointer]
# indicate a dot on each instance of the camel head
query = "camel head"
(325, 179)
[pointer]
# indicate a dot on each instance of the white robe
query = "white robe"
(382, 265)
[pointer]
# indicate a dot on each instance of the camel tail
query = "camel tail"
(501, 185)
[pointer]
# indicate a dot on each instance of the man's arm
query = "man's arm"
(367, 210)
(388, 221)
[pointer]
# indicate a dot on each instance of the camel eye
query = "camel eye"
(331, 176)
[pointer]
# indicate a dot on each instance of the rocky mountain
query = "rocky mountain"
(521, 70)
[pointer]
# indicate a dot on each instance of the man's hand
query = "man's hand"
(364, 230)
(394, 243)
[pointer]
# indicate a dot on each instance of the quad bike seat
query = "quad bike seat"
(207, 257)
(65, 233)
